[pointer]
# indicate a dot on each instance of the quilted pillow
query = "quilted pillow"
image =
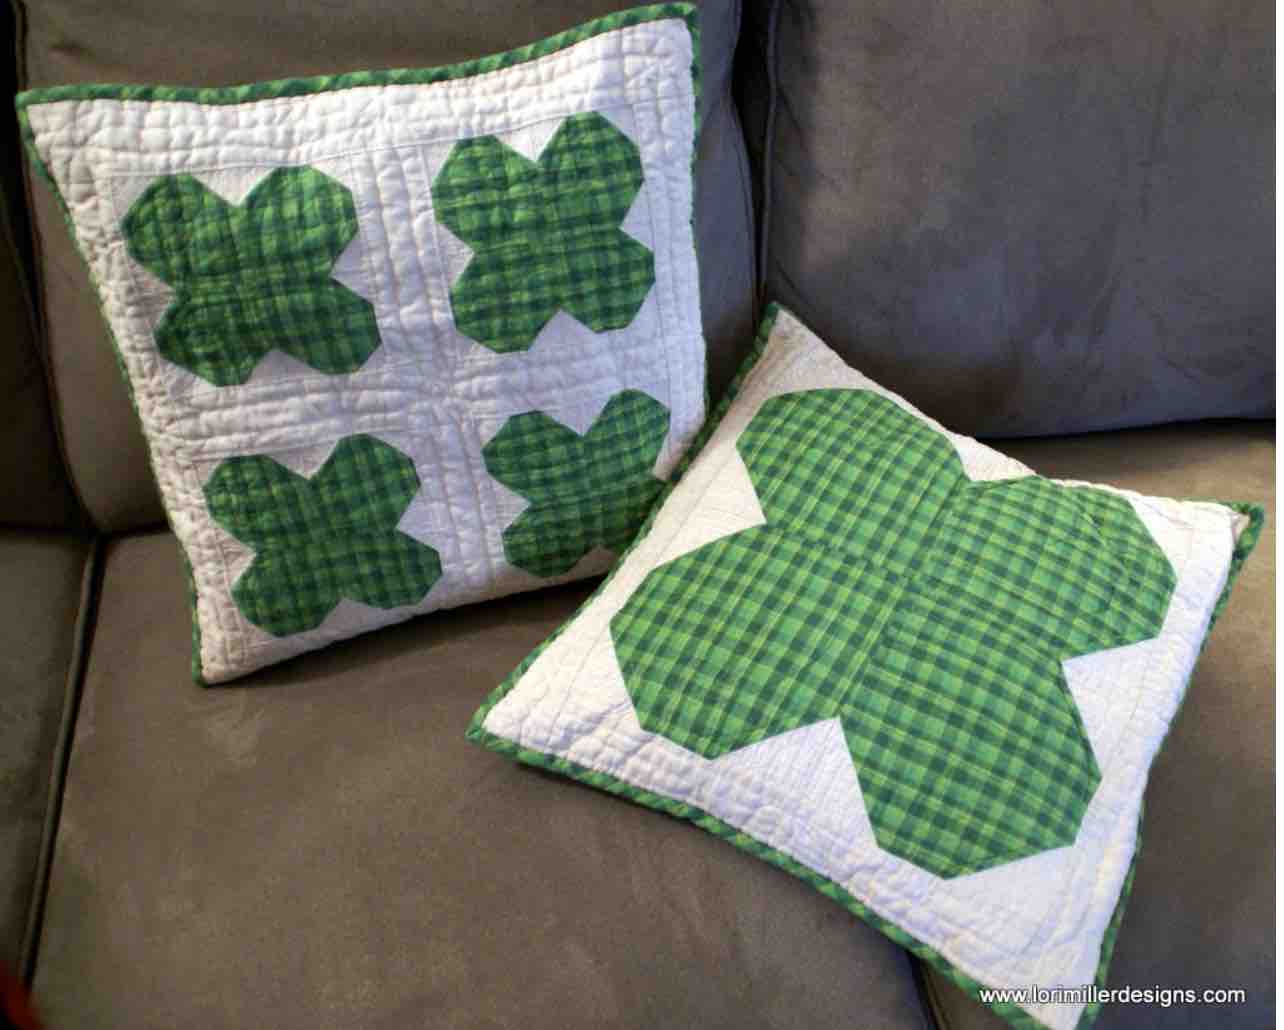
(895, 663)
(398, 340)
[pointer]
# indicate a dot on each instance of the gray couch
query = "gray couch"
(1033, 217)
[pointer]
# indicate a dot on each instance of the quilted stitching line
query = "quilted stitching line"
(367, 264)
(414, 143)
(444, 317)
(671, 397)
(311, 153)
(411, 359)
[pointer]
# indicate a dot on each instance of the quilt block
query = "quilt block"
(896, 663)
(399, 340)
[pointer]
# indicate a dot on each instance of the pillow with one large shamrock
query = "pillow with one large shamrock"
(894, 662)
(398, 340)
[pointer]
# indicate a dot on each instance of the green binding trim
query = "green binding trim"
(476, 732)
(1244, 546)
(297, 87)
(584, 491)
(189, 584)
(686, 12)
(545, 234)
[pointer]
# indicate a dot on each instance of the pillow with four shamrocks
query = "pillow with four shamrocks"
(895, 663)
(399, 340)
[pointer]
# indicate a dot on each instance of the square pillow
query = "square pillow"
(398, 340)
(897, 664)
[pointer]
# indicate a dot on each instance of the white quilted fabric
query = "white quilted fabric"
(428, 390)
(1036, 921)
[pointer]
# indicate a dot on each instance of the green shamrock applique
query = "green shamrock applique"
(253, 278)
(318, 540)
(585, 491)
(545, 234)
(929, 613)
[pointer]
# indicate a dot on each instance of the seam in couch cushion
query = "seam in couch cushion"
(928, 996)
(91, 579)
(768, 154)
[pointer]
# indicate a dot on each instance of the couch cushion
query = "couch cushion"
(191, 43)
(322, 848)
(1030, 217)
(33, 482)
(1202, 911)
(43, 574)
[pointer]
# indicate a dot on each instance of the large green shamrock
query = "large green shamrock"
(253, 278)
(322, 539)
(929, 613)
(585, 491)
(545, 234)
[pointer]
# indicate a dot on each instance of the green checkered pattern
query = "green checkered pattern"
(927, 612)
(319, 540)
(585, 491)
(545, 235)
(252, 278)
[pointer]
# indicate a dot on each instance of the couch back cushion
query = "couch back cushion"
(189, 42)
(34, 490)
(1029, 216)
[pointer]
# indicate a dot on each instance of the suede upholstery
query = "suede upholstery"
(322, 848)
(1027, 217)
(43, 572)
(33, 484)
(247, 41)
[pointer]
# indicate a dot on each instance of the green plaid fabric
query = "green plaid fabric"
(322, 539)
(545, 235)
(927, 612)
(585, 491)
(253, 278)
